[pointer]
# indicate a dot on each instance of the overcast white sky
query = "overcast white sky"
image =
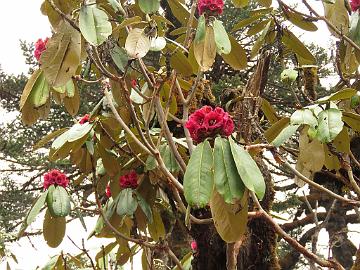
(19, 19)
(22, 19)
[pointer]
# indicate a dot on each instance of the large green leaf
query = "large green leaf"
(137, 44)
(226, 177)
(303, 117)
(345, 93)
(33, 212)
(248, 170)
(62, 56)
(335, 11)
(260, 40)
(180, 11)
(127, 203)
(222, 41)
(58, 201)
(53, 229)
(198, 178)
(149, 6)
(181, 63)
(76, 132)
(94, 24)
(230, 220)
(330, 125)
(354, 32)
(299, 20)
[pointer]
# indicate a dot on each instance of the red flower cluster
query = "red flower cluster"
(40, 46)
(355, 5)
(129, 180)
(54, 177)
(214, 7)
(84, 119)
(108, 191)
(206, 122)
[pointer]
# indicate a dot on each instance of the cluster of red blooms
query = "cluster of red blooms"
(355, 5)
(213, 7)
(207, 123)
(54, 177)
(40, 46)
(84, 119)
(129, 180)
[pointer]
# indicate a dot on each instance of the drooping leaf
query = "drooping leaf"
(284, 135)
(62, 56)
(240, 3)
(75, 133)
(119, 57)
(127, 203)
(269, 111)
(28, 87)
(330, 125)
(33, 212)
(227, 180)
(53, 229)
(181, 63)
(180, 11)
(58, 201)
(40, 92)
(198, 178)
(295, 45)
(248, 170)
(137, 43)
(185, 262)
(145, 207)
(310, 150)
(237, 57)
(230, 220)
(94, 24)
(156, 228)
(272, 132)
(260, 40)
(299, 20)
(222, 41)
(246, 22)
(337, 14)
(346, 93)
(149, 6)
(204, 45)
(354, 32)
(72, 103)
(352, 119)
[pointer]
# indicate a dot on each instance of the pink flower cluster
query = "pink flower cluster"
(214, 7)
(207, 123)
(129, 180)
(40, 47)
(54, 177)
(84, 119)
(355, 5)
(108, 191)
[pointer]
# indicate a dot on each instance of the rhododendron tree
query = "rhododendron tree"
(159, 157)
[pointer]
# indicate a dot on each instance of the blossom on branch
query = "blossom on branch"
(55, 177)
(207, 123)
(213, 7)
(40, 47)
(108, 191)
(129, 180)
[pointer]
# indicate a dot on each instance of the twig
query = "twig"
(295, 244)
